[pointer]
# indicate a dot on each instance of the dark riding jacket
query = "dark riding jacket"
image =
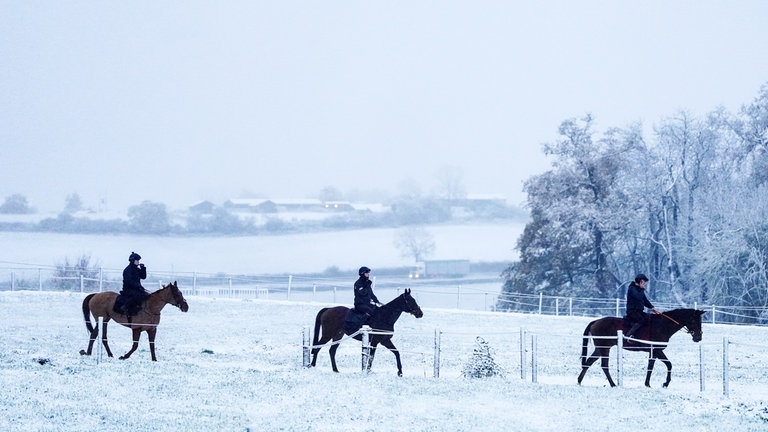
(636, 302)
(132, 276)
(364, 296)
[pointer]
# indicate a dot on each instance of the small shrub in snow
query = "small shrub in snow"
(481, 364)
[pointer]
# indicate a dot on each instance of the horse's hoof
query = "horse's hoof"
(82, 352)
(122, 357)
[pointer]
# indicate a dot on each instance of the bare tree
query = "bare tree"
(415, 242)
(451, 183)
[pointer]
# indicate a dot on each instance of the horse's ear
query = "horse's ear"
(407, 290)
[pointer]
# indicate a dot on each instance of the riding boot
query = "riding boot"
(635, 327)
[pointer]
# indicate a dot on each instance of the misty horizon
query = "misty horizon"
(180, 102)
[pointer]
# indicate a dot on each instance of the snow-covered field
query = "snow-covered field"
(236, 365)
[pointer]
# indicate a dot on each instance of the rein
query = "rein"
(669, 318)
(689, 331)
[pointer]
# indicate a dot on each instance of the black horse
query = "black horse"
(661, 328)
(331, 321)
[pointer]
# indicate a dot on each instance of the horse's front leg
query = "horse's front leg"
(136, 336)
(104, 337)
(332, 352)
(151, 336)
(388, 343)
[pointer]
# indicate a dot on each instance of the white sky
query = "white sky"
(182, 101)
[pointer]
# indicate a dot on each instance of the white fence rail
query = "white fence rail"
(452, 293)
(696, 368)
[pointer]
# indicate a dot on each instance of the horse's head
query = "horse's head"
(691, 320)
(177, 298)
(409, 304)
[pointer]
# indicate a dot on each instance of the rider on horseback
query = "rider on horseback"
(133, 294)
(365, 299)
(636, 302)
(365, 302)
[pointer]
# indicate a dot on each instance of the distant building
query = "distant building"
(203, 207)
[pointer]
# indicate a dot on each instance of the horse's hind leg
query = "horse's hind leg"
(316, 347)
(104, 337)
(314, 356)
(604, 365)
(332, 352)
(586, 363)
(658, 354)
(93, 334)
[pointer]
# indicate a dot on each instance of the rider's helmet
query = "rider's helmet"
(641, 277)
(363, 270)
(134, 256)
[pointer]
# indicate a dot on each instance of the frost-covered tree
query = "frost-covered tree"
(149, 217)
(579, 208)
(751, 128)
(450, 183)
(15, 204)
(684, 174)
(73, 203)
(689, 209)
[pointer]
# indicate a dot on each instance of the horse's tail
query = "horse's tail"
(585, 343)
(316, 338)
(87, 312)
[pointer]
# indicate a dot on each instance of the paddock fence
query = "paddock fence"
(528, 356)
(483, 294)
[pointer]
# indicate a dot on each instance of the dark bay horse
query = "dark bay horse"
(331, 321)
(148, 318)
(662, 327)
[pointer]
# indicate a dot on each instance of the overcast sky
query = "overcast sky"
(179, 101)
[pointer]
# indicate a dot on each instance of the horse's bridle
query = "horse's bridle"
(685, 326)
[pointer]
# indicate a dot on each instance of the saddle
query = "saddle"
(643, 333)
(354, 321)
(128, 305)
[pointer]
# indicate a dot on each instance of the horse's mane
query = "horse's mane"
(394, 300)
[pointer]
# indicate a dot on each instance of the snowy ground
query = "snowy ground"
(235, 365)
(293, 253)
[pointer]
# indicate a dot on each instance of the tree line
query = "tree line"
(150, 217)
(687, 207)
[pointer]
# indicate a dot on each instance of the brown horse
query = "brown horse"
(331, 321)
(148, 318)
(662, 326)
